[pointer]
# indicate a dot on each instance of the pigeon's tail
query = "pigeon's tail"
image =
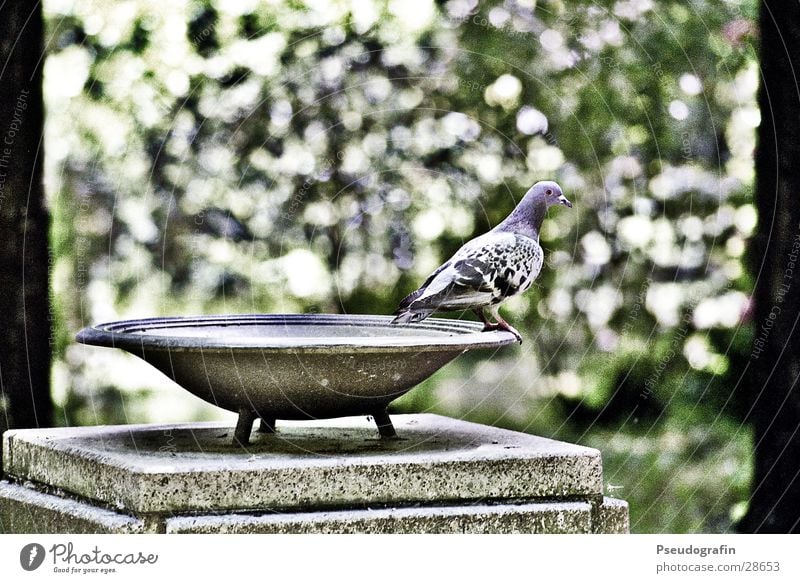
(405, 316)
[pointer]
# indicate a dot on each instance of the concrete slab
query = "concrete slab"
(337, 463)
(27, 511)
(553, 518)
(24, 510)
(611, 517)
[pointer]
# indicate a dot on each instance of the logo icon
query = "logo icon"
(31, 556)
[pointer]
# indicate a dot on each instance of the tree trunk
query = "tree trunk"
(775, 360)
(24, 275)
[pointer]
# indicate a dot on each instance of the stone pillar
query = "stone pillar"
(441, 476)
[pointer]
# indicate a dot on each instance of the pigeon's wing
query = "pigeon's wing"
(480, 273)
(469, 286)
(409, 299)
(465, 251)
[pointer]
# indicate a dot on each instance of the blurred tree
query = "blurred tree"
(301, 157)
(24, 223)
(774, 395)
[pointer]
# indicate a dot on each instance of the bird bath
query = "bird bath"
(300, 366)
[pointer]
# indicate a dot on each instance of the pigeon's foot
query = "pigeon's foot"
(501, 324)
(504, 326)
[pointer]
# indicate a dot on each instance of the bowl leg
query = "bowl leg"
(384, 423)
(244, 426)
(267, 425)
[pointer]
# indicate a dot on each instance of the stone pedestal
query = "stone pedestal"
(335, 476)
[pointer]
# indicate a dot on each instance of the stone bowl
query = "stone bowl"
(298, 366)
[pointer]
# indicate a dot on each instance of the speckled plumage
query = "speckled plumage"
(490, 268)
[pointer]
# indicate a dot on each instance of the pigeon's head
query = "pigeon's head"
(550, 191)
(527, 217)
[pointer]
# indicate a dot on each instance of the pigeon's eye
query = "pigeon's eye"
(548, 192)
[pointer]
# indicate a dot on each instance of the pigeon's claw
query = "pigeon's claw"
(501, 324)
(491, 327)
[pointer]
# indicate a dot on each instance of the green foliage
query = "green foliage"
(679, 480)
(250, 157)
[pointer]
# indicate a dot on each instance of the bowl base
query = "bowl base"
(244, 425)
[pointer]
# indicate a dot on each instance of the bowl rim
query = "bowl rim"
(131, 335)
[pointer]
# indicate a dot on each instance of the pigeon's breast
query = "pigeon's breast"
(517, 268)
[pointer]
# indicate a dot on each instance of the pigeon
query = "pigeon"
(490, 268)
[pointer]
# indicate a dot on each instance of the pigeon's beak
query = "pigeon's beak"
(563, 200)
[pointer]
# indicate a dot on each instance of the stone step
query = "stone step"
(24, 510)
(532, 518)
(339, 463)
